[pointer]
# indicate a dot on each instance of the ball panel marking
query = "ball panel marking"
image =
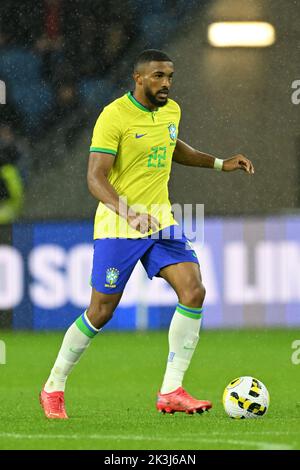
(246, 397)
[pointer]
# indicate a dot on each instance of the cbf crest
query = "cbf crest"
(112, 275)
(172, 131)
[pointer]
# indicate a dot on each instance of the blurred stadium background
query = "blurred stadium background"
(61, 62)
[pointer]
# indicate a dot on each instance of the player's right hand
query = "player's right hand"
(143, 222)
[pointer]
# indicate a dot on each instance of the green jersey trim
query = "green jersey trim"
(137, 104)
(103, 150)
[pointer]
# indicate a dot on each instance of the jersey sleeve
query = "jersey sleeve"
(107, 132)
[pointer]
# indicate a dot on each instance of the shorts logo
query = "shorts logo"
(172, 131)
(112, 275)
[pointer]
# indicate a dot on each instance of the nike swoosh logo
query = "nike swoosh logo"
(74, 351)
(138, 136)
(184, 347)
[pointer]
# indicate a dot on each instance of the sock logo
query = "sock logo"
(171, 356)
(112, 275)
(76, 351)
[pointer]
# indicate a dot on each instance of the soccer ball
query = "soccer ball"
(246, 397)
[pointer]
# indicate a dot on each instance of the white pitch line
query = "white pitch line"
(259, 445)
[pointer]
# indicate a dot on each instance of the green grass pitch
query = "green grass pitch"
(111, 393)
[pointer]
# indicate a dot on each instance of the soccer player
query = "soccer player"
(133, 145)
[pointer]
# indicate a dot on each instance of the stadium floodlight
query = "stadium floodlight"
(241, 34)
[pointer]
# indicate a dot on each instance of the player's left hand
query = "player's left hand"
(238, 162)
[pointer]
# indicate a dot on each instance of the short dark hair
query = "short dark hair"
(150, 55)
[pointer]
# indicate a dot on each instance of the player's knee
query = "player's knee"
(100, 315)
(194, 297)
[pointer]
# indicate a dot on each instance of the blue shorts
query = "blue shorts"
(115, 258)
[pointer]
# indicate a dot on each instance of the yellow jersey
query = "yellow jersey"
(142, 143)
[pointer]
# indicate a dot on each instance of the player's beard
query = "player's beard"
(152, 98)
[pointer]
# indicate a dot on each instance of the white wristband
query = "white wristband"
(218, 164)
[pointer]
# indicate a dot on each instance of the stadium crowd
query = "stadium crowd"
(52, 51)
(61, 60)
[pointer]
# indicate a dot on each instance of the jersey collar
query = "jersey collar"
(138, 104)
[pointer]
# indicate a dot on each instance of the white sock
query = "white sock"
(75, 342)
(183, 339)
